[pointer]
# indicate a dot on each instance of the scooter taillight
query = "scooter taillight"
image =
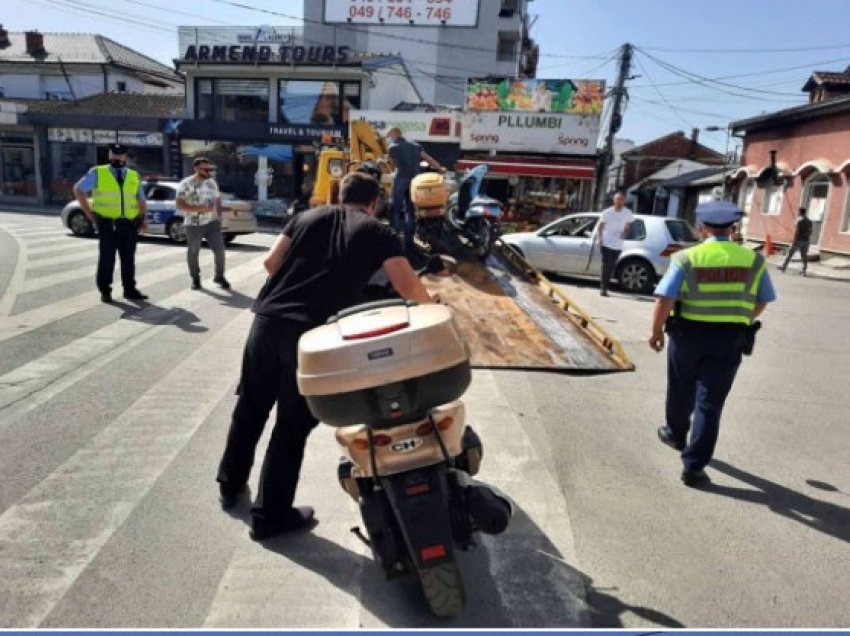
(381, 440)
(426, 428)
(374, 333)
(361, 444)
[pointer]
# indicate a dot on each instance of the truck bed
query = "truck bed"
(511, 317)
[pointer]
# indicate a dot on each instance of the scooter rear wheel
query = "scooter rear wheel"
(443, 589)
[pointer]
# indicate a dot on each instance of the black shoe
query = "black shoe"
(604, 292)
(695, 478)
(666, 437)
(106, 296)
(297, 518)
(196, 282)
(134, 294)
(229, 497)
(221, 281)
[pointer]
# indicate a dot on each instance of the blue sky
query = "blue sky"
(685, 34)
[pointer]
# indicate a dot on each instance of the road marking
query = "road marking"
(78, 245)
(7, 300)
(36, 382)
(54, 532)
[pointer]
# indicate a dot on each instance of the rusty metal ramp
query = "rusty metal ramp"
(512, 317)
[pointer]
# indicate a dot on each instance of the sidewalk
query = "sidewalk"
(831, 267)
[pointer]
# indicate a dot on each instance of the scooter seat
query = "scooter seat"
(484, 200)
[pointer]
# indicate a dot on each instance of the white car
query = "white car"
(162, 217)
(564, 247)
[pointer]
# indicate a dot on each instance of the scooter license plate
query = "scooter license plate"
(407, 445)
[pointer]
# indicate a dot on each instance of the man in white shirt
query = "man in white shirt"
(199, 202)
(614, 226)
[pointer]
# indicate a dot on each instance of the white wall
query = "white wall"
(25, 84)
(390, 88)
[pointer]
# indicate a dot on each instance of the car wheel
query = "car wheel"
(229, 237)
(79, 224)
(636, 275)
(175, 230)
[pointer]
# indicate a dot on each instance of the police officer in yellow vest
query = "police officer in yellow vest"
(118, 209)
(708, 299)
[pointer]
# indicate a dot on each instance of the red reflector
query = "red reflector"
(671, 249)
(377, 332)
(426, 428)
(434, 552)
(418, 489)
(381, 439)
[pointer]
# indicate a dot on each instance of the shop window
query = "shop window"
(317, 102)
(772, 203)
(232, 100)
(121, 87)
(745, 198)
(506, 51)
(845, 218)
(815, 195)
(17, 170)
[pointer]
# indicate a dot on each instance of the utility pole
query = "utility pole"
(619, 94)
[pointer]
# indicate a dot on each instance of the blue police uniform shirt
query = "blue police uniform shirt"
(672, 280)
(89, 182)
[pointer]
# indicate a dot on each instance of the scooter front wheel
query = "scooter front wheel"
(442, 587)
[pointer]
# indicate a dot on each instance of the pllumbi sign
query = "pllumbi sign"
(545, 133)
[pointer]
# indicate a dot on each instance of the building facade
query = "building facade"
(441, 43)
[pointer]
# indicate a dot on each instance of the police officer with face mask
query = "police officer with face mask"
(118, 210)
(708, 300)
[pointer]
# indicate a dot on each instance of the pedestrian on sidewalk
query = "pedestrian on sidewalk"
(318, 266)
(802, 236)
(613, 228)
(199, 203)
(406, 155)
(708, 301)
(118, 211)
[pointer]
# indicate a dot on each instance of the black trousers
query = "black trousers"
(268, 377)
(609, 263)
(118, 235)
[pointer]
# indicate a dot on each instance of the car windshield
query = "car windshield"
(681, 231)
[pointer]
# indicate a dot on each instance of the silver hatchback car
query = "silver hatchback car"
(563, 247)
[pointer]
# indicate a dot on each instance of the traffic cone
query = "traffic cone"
(768, 245)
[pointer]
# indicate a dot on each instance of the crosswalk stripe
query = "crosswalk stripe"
(57, 529)
(27, 321)
(88, 271)
(37, 232)
(24, 387)
(7, 299)
(88, 254)
(39, 242)
(78, 245)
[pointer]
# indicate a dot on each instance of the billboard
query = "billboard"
(460, 13)
(574, 97)
(547, 133)
(415, 126)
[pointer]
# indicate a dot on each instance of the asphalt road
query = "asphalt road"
(112, 419)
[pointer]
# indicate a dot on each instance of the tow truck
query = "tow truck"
(510, 314)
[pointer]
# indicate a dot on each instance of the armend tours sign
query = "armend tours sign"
(547, 133)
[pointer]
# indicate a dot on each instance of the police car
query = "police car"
(162, 217)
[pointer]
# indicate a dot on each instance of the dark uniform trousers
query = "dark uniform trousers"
(268, 376)
(702, 363)
(116, 235)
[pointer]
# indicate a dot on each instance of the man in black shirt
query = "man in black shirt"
(802, 236)
(319, 265)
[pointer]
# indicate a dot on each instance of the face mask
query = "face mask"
(117, 163)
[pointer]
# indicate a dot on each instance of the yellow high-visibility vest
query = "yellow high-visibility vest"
(108, 195)
(721, 282)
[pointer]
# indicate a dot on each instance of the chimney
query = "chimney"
(695, 135)
(4, 38)
(35, 42)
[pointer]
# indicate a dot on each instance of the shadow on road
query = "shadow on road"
(584, 283)
(819, 515)
(230, 298)
(518, 579)
(151, 314)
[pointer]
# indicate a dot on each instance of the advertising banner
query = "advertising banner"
(415, 126)
(461, 13)
(576, 97)
(523, 132)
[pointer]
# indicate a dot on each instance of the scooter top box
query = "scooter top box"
(429, 190)
(382, 364)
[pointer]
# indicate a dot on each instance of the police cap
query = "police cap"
(117, 149)
(718, 214)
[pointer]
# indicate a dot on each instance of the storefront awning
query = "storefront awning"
(819, 165)
(564, 169)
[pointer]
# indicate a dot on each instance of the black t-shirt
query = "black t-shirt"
(335, 250)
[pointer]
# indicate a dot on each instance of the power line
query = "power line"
(721, 51)
(62, 6)
(660, 94)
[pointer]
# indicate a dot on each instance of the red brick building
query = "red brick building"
(812, 167)
(642, 161)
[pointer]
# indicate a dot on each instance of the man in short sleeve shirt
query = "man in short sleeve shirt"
(614, 226)
(319, 265)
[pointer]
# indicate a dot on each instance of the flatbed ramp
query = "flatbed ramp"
(513, 317)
